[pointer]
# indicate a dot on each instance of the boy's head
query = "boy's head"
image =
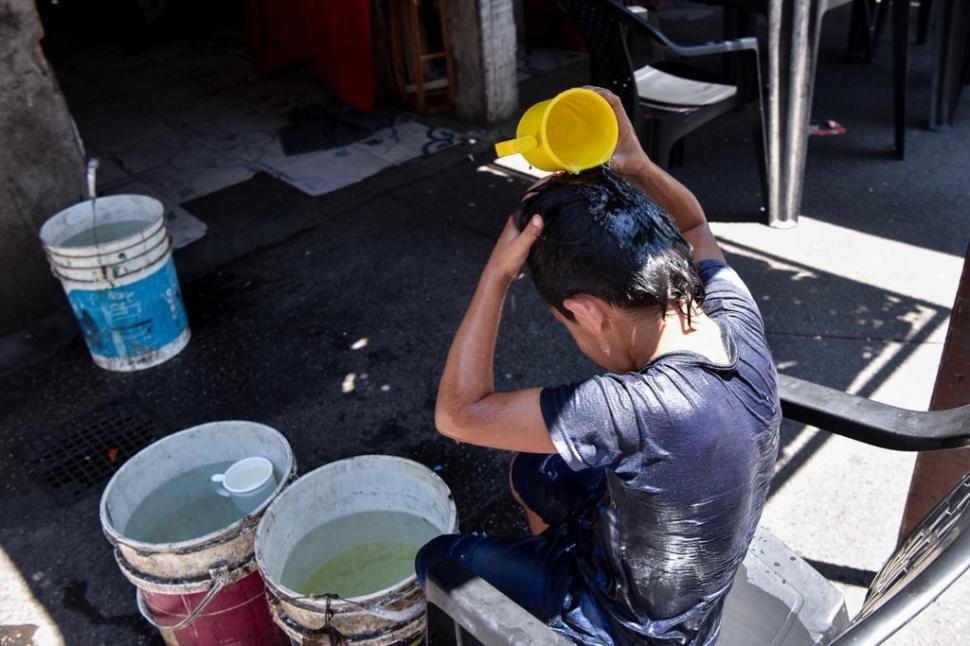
(605, 243)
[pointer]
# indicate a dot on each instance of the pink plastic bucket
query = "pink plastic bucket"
(237, 614)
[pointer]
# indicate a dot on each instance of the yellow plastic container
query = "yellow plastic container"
(572, 131)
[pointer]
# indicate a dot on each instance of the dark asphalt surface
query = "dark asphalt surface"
(284, 285)
(272, 342)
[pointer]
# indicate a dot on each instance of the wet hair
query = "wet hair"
(603, 237)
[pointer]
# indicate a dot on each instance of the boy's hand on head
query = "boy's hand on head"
(628, 159)
(512, 248)
(467, 408)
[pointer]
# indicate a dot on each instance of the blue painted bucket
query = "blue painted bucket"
(113, 257)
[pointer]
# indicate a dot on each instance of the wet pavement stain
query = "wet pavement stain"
(75, 599)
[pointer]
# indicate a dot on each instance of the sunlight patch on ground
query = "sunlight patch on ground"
(852, 493)
(491, 170)
(347, 385)
(910, 384)
(797, 273)
(19, 606)
(900, 388)
(895, 266)
(917, 320)
(518, 164)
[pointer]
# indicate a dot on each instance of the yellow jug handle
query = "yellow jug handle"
(518, 145)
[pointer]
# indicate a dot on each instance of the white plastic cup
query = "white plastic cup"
(247, 482)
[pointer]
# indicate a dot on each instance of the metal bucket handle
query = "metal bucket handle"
(377, 609)
(220, 579)
(92, 176)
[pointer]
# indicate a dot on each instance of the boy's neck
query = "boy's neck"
(672, 334)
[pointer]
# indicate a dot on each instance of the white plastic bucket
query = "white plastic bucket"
(394, 615)
(205, 590)
(120, 279)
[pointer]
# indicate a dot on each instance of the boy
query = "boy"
(642, 486)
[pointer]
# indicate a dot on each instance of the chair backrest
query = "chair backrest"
(934, 555)
(601, 24)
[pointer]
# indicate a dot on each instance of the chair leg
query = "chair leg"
(860, 32)
(923, 21)
(417, 63)
(760, 150)
(660, 146)
(446, 46)
(677, 153)
(728, 32)
(961, 62)
(880, 22)
(900, 72)
(397, 50)
(648, 132)
(951, 60)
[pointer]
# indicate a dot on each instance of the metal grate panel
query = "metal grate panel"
(85, 451)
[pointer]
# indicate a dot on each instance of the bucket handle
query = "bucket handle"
(220, 579)
(381, 612)
(92, 176)
(377, 609)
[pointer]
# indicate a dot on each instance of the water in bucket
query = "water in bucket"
(184, 508)
(357, 554)
(103, 233)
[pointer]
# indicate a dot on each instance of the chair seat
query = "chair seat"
(778, 598)
(663, 89)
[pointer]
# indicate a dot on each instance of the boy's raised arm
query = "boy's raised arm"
(632, 163)
(468, 409)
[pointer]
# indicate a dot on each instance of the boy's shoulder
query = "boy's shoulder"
(675, 385)
(726, 294)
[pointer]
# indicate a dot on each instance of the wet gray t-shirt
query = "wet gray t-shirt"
(688, 447)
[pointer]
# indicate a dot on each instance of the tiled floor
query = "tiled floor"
(188, 118)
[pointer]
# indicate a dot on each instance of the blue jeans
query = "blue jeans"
(535, 572)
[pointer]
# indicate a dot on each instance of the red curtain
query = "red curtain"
(333, 35)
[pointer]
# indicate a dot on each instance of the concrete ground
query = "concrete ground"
(329, 318)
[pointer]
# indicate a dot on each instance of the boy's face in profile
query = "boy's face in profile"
(605, 334)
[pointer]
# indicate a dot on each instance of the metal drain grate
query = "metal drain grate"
(85, 451)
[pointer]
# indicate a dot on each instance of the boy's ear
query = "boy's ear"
(589, 312)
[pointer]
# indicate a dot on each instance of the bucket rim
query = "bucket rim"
(148, 259)
(102, 253)
(293, 597)
(199, 543)
(155, 208)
